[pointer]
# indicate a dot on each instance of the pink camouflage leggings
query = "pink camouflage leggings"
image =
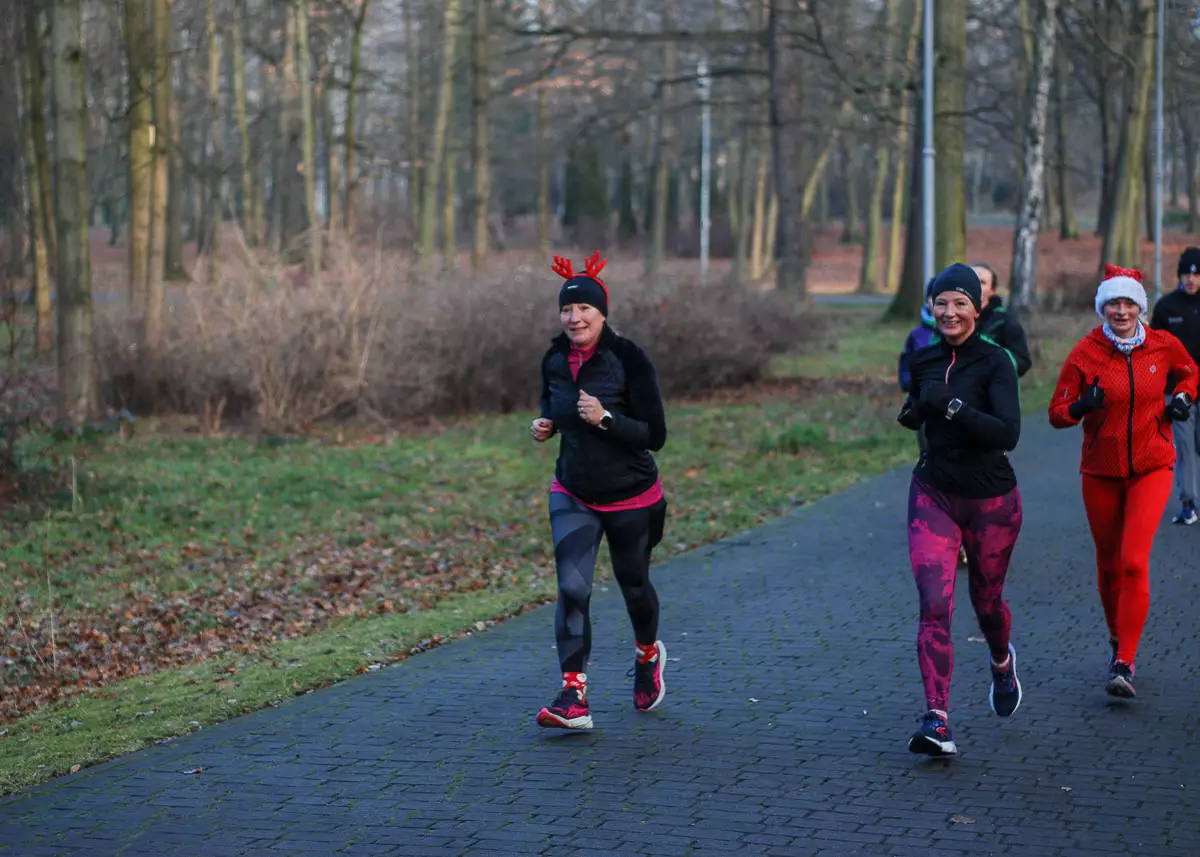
(938, 524)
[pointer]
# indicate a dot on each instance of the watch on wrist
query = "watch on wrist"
(606, 420)
(953, 408)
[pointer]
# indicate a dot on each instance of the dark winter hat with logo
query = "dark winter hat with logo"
(1189, 261)
(958, 278)
(585, 288)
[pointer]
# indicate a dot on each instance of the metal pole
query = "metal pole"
(928, 153)
(1158, 153)
(705, 174)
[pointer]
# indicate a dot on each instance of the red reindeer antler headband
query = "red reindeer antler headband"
(593, 265)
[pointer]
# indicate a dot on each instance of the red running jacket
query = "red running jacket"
(1131, 434)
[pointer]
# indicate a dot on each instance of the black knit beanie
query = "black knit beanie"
(959, 278)
(582, 289)
(1189, 261)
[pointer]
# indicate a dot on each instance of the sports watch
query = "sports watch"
(953, 408)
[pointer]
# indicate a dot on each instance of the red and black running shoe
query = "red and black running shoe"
(570, 709)
(649, 687)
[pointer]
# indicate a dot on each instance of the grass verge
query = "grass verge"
(198, 580)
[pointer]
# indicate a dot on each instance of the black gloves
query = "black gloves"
(935, 398)
(1089, 400)
(1179, 408)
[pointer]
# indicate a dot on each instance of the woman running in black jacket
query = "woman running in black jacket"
(600, 395)
(963, 492)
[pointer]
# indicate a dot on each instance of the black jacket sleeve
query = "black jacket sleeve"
(645, 426)
(1001, 429)
(1017, 343)
(545, 397)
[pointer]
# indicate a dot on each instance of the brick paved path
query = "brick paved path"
(793, 688)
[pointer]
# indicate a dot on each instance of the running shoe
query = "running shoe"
(1187, 515)
(1004, 696)
(570, 709)
(933, 738)
(1120, 680)
(649, 686)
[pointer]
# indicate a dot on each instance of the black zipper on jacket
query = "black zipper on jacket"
(1129, 439)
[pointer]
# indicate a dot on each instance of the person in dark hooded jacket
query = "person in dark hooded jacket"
(1000, 323)
(600, 395)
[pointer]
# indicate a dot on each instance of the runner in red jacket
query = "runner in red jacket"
(1115, 382)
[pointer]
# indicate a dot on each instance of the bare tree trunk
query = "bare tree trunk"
(759, 229)
(868, 274)
(1024, 265)
(309, 121)
(412, 71)
(664, 158)
(850, 213)
(161, 190)
(333, 182)
(175, 186)
(786, 75)
(141, 150)
(543, 199)
(449, 209)
(1068, 231)
(35, 107)
(78, 396)
(31, 55)
(214, 163)
(1125, 235)
(237, 35)
(950, 36)
(910, 289)
(351, 133)
(481, 97)
(900, 189)
(437, 143)
(284, 201)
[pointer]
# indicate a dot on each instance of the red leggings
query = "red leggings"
(1124, 515)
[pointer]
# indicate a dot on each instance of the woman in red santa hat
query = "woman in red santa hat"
(1115, 383)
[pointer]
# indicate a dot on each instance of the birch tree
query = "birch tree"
(1033, 148)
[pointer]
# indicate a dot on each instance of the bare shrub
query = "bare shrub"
(376, 338)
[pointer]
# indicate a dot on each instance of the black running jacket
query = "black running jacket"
(597, 465)
(967, 454)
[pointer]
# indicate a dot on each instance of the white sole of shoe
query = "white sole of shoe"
(1120, 686)
(1012, 653)
(927, 746)
(662, 678)
(550, 720)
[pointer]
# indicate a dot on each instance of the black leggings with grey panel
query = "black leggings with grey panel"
(632, 535)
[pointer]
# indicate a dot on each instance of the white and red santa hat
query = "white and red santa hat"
(1121, 283)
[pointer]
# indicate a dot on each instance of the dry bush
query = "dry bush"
(377, 338)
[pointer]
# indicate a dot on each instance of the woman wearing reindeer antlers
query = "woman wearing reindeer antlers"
(1115, 383)
(600, 394)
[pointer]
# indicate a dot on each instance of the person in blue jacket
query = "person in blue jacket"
(918, 338)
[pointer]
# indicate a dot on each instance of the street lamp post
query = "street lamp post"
(705, 84)
(1158, 154)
